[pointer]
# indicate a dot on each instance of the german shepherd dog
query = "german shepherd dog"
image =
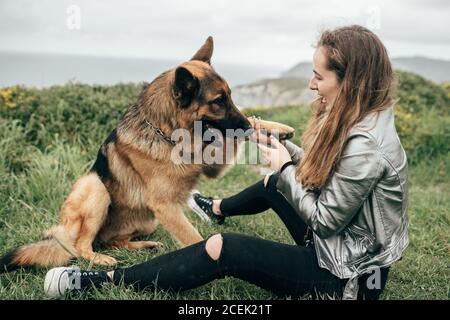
(133, 183)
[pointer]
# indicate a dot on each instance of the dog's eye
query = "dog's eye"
(221, 101)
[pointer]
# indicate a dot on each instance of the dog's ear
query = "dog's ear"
(205, 52)
(185, 86)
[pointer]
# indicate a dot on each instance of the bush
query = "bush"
(417, 95)
(15, 151)
(84, 115)
(422, 117)
(422, 137)
(73, 112)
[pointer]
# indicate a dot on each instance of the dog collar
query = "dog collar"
(160, 133)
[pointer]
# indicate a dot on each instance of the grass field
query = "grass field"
(30, 201)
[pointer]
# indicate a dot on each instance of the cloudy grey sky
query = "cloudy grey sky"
(258, 32)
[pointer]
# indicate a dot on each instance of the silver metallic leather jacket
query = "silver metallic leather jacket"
(359, 218)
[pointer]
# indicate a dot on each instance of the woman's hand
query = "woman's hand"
(266, 179)
(259, 137)
(277, 154)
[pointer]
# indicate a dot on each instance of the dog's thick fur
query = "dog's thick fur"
(134, 184)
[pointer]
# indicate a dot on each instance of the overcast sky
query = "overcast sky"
(260, 32)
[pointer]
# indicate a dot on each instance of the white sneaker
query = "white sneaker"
(59, 280)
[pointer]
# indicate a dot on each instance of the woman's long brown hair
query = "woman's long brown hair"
(365, 75)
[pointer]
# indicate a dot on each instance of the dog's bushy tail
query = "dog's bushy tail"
(55, 249)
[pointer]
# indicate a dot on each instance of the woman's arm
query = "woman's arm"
(295, 151)
(356, 175)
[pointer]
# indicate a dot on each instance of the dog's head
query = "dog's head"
(203, 95)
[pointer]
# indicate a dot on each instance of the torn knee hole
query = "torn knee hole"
(214, 246)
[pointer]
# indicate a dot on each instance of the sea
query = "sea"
(44, 70)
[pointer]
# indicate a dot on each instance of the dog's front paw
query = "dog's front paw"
(138, 245)
(104, 260)
(98, 258)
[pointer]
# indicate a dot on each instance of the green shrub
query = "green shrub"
(84, 115)
(73, 112)
(418, 95)
(15, 152)
(423, 136)
(422, 117)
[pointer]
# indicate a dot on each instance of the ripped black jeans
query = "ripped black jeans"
(286, 270)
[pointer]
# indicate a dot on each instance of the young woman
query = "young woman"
(342, 196)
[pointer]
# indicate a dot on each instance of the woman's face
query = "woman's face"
(323, 80)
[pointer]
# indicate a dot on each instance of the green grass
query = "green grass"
(35, 181)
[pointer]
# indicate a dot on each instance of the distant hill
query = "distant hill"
(432, 69)
(292, 86)
(273, 92)
(300, 70)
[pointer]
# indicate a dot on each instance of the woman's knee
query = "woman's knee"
(214, 246)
